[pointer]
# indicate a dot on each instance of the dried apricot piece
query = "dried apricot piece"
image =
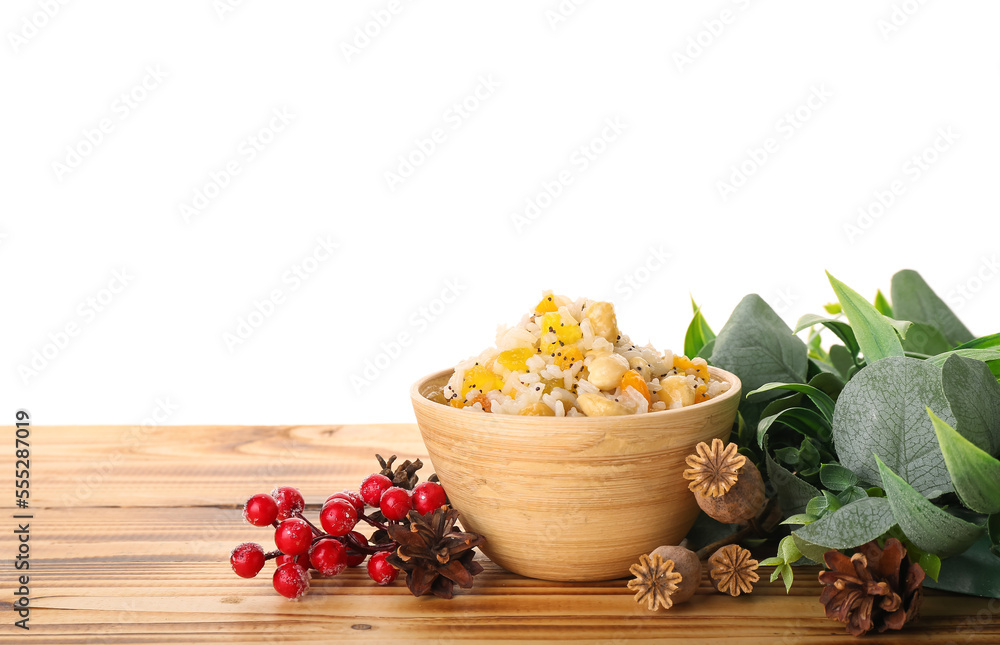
(631, 378)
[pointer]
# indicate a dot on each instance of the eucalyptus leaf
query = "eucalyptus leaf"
(924, 339)
(800, 518)
(707, 349)
(975, 474)
(698, 333)
(929, 527)
(902, 327)
(756, 345)
(876, 336)
(836, 477)
(974, 398)
(976, 572)
(821, 399)
(842, 359)
(851, 495)
(851, 525)
(913, 299)
(882, 305)
(882, 410)
(793, 493)
(803, 420)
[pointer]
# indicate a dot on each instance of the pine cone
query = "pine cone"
(434, 555)
(874, 589)
(404, 475)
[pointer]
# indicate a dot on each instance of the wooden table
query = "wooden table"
(132, 530)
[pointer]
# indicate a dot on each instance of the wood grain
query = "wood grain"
(143, 559)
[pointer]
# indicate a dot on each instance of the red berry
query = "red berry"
(338, 517)
(260, 510)
(354, 558)
(372, 488)
(291, 580)
(428, 497)
(282, 559)
(293, 536)
(352, 497)
(329, 557)
(395, 503)
(381, 571)
(289, 500)
(247, 559)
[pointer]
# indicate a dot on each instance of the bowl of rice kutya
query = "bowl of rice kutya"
(564, 443)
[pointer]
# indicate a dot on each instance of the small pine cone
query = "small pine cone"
(874, 589)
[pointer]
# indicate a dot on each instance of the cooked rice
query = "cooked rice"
(547, 372)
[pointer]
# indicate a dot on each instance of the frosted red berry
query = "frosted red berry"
(428, 497)
(329, 557)
(247, 559)
(293, 536)
(350, 496)
(338, 517)
(291, 580)
(289, 500)
(260, 510)
(381, 571)
(395, 503)
(372, 488)
(354, 558)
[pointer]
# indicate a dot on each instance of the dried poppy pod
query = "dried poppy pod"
(732, 570)
(727, 486)
(667, 576)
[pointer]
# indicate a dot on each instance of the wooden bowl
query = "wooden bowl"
(570, 498)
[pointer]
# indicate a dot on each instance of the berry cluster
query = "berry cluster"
(303, 549)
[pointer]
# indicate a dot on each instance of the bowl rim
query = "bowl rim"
(735, 389)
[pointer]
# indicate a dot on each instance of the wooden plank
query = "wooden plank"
(144, 560)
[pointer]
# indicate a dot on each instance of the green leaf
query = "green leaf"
(876, 336)
(975, 572)
(842, 359)
(810, 550)
(800, 518)
(974, 398)
(983, 342)
(929, 527)
(882, 410)
(931, 564)
(756, 345)
(829, 384)
(851, 495)
(706, 351)
(975, 354)
(924, 339)
(787, 550)
(854, 524)
(975, 474)
(901, 326)
(822, 400)
(698, 333)
(913, 299)
(993, 530)
(793, 493)
(836, 477)
(882, 305)
(842, 330)
(803, 420)
(832, 308)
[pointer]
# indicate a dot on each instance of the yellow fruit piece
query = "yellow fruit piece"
(515, 359)
(566, 356)
(537, 410)
(568, 331)
(701, 393)
(547, 304)
(480, 378)
(682, 363)
(631, 378)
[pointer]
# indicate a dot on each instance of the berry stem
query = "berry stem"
(270, 555)
(372, 522)
(315, 530)
(370, 549)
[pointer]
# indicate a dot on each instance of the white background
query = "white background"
(893, 75)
